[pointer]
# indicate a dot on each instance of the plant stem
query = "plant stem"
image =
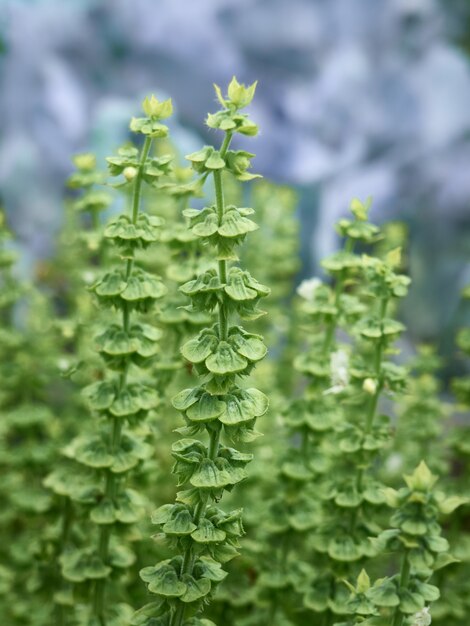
(138, 179)
(331, 326)
(67, 518)
(220, 204)
(199, 511)
(373, 402)
(404, 578)
(98, 603)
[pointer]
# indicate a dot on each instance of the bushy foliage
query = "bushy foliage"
(142, 352)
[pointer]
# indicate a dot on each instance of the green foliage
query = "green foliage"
(121, 398)
(416, 537)
(202, 535)
(151, 323)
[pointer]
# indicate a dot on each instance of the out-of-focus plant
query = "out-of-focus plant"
(28, 431)
(272, 253)
(421, 417)
(352, 494)
(80, 255)
(124, 397)
(415, 538)
(453, 607)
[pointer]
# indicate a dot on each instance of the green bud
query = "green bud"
(239, 94)
(152, 107)
(129, 173)
(359, 209)
(393, 258)
(363, 582)
(238, 163)
(421, 479)
(248, 128)
(370, 386)
(85, 162)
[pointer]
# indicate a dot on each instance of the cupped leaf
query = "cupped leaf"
(224, 360)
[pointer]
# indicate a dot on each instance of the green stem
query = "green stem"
(373, 402)
(404, 578)
(188, 558)
(225, 144)
(138, 179)
(377, 371)
(67, 518)
(333, 322)
(219, 201)
(98, 602)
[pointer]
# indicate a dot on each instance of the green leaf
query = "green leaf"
(148, 126)
(234, 224)
(448, 505)
(163, 580)
(410, 602)
(121, 556)
(129, 454)
(186, 398)
(207, 408)
(209, 476)
(430, 593)
(104, 512)
(224, 552)
(224, 360)
(100, 395)
(384, 594)
(215, 161)
(93, 452)
(238, 290)
(126, 403)
(162, 514)
(249, 346)
(143, 286)
(437, 544)
(195, 589)
(236, 411)
(81, 565)
(111, 284)
(205, 223)
(116, 341)
(207, 533)
(206, 567)
(344, 549)
(180, 523)
(198, 349)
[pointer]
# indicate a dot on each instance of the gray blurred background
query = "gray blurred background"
(355, 98)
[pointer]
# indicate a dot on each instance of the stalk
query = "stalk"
(398, 616)
(104, 536)
(205, 536)
(120, 397)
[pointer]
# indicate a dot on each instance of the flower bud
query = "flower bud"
(421, 479)
(85, 162)
(152, 107)
(363, 582)
(422, 618)
(370, 386)
(129, 173)
(308, 287)
(360, 209)
(240, 95)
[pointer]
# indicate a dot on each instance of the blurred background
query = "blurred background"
(355, 98)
